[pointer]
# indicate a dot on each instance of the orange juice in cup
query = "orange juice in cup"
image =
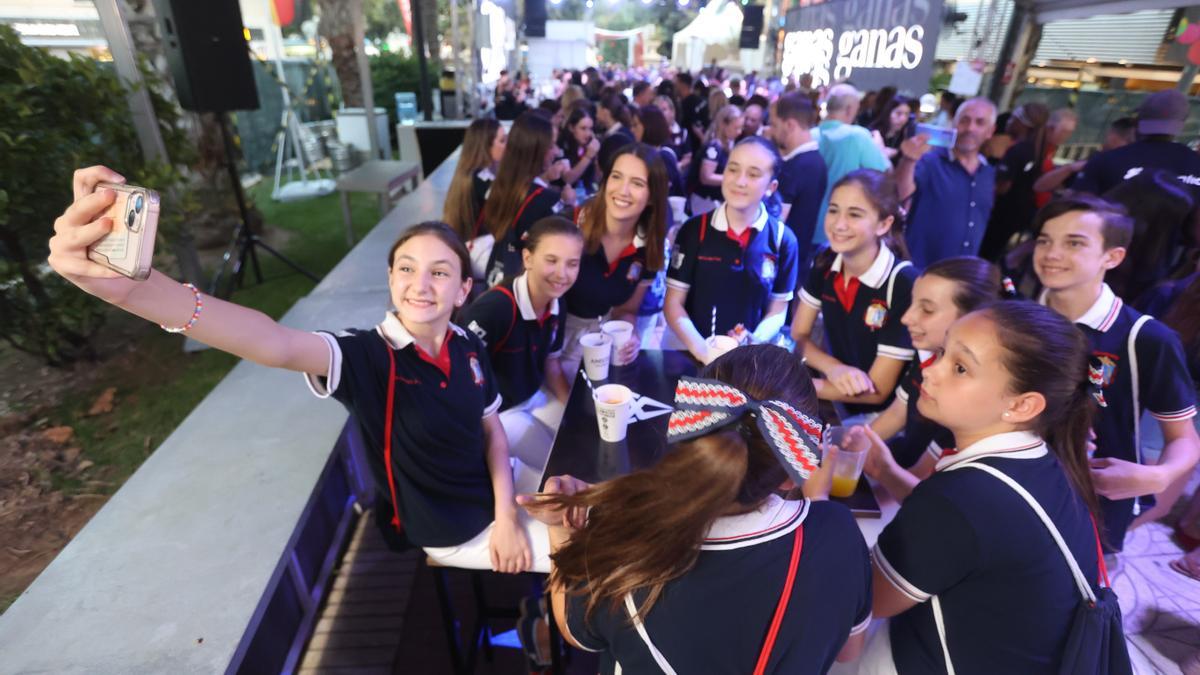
(851, 456)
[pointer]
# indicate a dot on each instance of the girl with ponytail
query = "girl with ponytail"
(969, 572)
(943, 293)
(651, 567)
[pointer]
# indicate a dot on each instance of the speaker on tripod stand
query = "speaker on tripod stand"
(210, 64)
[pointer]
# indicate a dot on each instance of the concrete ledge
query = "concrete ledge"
(168, 576)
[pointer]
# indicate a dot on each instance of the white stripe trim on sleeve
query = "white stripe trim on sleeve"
(891, 352)
(902, 394)
(782, 296)
(808, 299)
(863, 625)
(912, 592)
(677, 285)
(1177, 416)
(493, 408)
(323, 387)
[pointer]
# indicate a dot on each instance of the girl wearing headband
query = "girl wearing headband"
(784, 583)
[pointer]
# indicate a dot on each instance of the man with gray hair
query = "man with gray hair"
(952, 188)
(844, 145)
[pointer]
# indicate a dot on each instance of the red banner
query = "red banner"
(283, 11)
(406, 14)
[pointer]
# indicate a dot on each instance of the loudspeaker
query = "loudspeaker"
(208, 54)
(752, 26)
(535, 18)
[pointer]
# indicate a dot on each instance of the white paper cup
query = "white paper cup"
(614, 402)
(597, 354)
(620, 332)
(678, 209)
(719, 344)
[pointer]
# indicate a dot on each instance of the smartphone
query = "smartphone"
(129, 248)
(940, 137)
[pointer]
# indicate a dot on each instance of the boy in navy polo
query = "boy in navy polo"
(729, 282)
(1137, 363)
(803, 176)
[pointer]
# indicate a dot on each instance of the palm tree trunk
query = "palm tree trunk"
(337, 27)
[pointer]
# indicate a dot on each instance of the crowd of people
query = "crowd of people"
(871, 276)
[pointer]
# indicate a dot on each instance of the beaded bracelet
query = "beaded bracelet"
(195, 313)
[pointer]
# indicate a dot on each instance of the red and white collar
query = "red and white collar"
(1102, 314)
(524, 303)
(720, 222)
(801, 149)
(397, 336)
(774, 519)
(878, 272)
(1010, 445)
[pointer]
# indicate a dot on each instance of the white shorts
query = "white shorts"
(530, 428)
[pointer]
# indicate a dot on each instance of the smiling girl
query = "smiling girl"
(420, 388)
(624, 230)
(735, 263)
(861, 285)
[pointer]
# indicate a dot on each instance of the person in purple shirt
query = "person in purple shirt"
(952, 189)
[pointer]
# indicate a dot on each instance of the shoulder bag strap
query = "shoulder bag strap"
(892, 279)
(513, 299)
(941, 631)
(764, 656)
(389, 412)
(525, 204)
(631, 609)
(1131, 347)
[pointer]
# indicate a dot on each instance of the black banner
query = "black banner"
(869, 43)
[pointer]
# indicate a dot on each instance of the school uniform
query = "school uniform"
(921, 436)
(480, 245)
(862, 318)
(601, 286)
(1162, 387)
(681, 141)
(1006, 595)
(714, 618)
(505, 259)
(739, 276)
(438, 472)
(705, 197)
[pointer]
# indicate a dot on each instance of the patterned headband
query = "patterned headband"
(703, 406)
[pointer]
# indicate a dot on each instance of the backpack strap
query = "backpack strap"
(764, 656)
(631, 609)
(704, 225)
(1131, 347)
(892, 279)
(524, 204)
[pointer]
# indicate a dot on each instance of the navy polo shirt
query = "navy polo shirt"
(1006, 593)
(439, 450)
(713, 151)
(681, 141)
(714, 618)
(1164, 388)
(517, 338)
(861, 323)
(1107, 169)
(603, 284)
(740, 280)
(802, 182)
(950, 209)
(505, 261)
(921, 435)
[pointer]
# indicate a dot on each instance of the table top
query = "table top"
(377, 175)
(577, 448)
(579, 451)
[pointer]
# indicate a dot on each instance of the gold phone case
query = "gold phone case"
(129, 248)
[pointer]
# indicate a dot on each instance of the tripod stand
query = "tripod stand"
(244, 242)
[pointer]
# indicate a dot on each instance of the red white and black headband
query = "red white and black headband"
(703, 406)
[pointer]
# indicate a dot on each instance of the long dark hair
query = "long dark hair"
(529, 142)
(1047, 354)
(880, 189)
(640, 536)
(883, 122)
(653, 221)
(460, 210)
(976, 281)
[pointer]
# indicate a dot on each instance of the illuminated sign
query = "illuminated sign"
(47, 29)
(870, 43)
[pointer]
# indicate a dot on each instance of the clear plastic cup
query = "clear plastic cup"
(851, 456)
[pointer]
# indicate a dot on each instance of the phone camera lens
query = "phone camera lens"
(138, 202)
(131, 219)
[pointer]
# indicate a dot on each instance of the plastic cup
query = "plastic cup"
(718, 345)
(620, 332)
(597, 354)
(614, 402)
(848, 465)
(678, 208)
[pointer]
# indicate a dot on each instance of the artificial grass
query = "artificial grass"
(153, 398)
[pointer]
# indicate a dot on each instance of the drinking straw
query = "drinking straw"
(713, 330)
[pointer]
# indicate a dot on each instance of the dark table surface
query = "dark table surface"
(577, 448)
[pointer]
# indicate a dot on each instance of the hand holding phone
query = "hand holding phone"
(129, 248)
